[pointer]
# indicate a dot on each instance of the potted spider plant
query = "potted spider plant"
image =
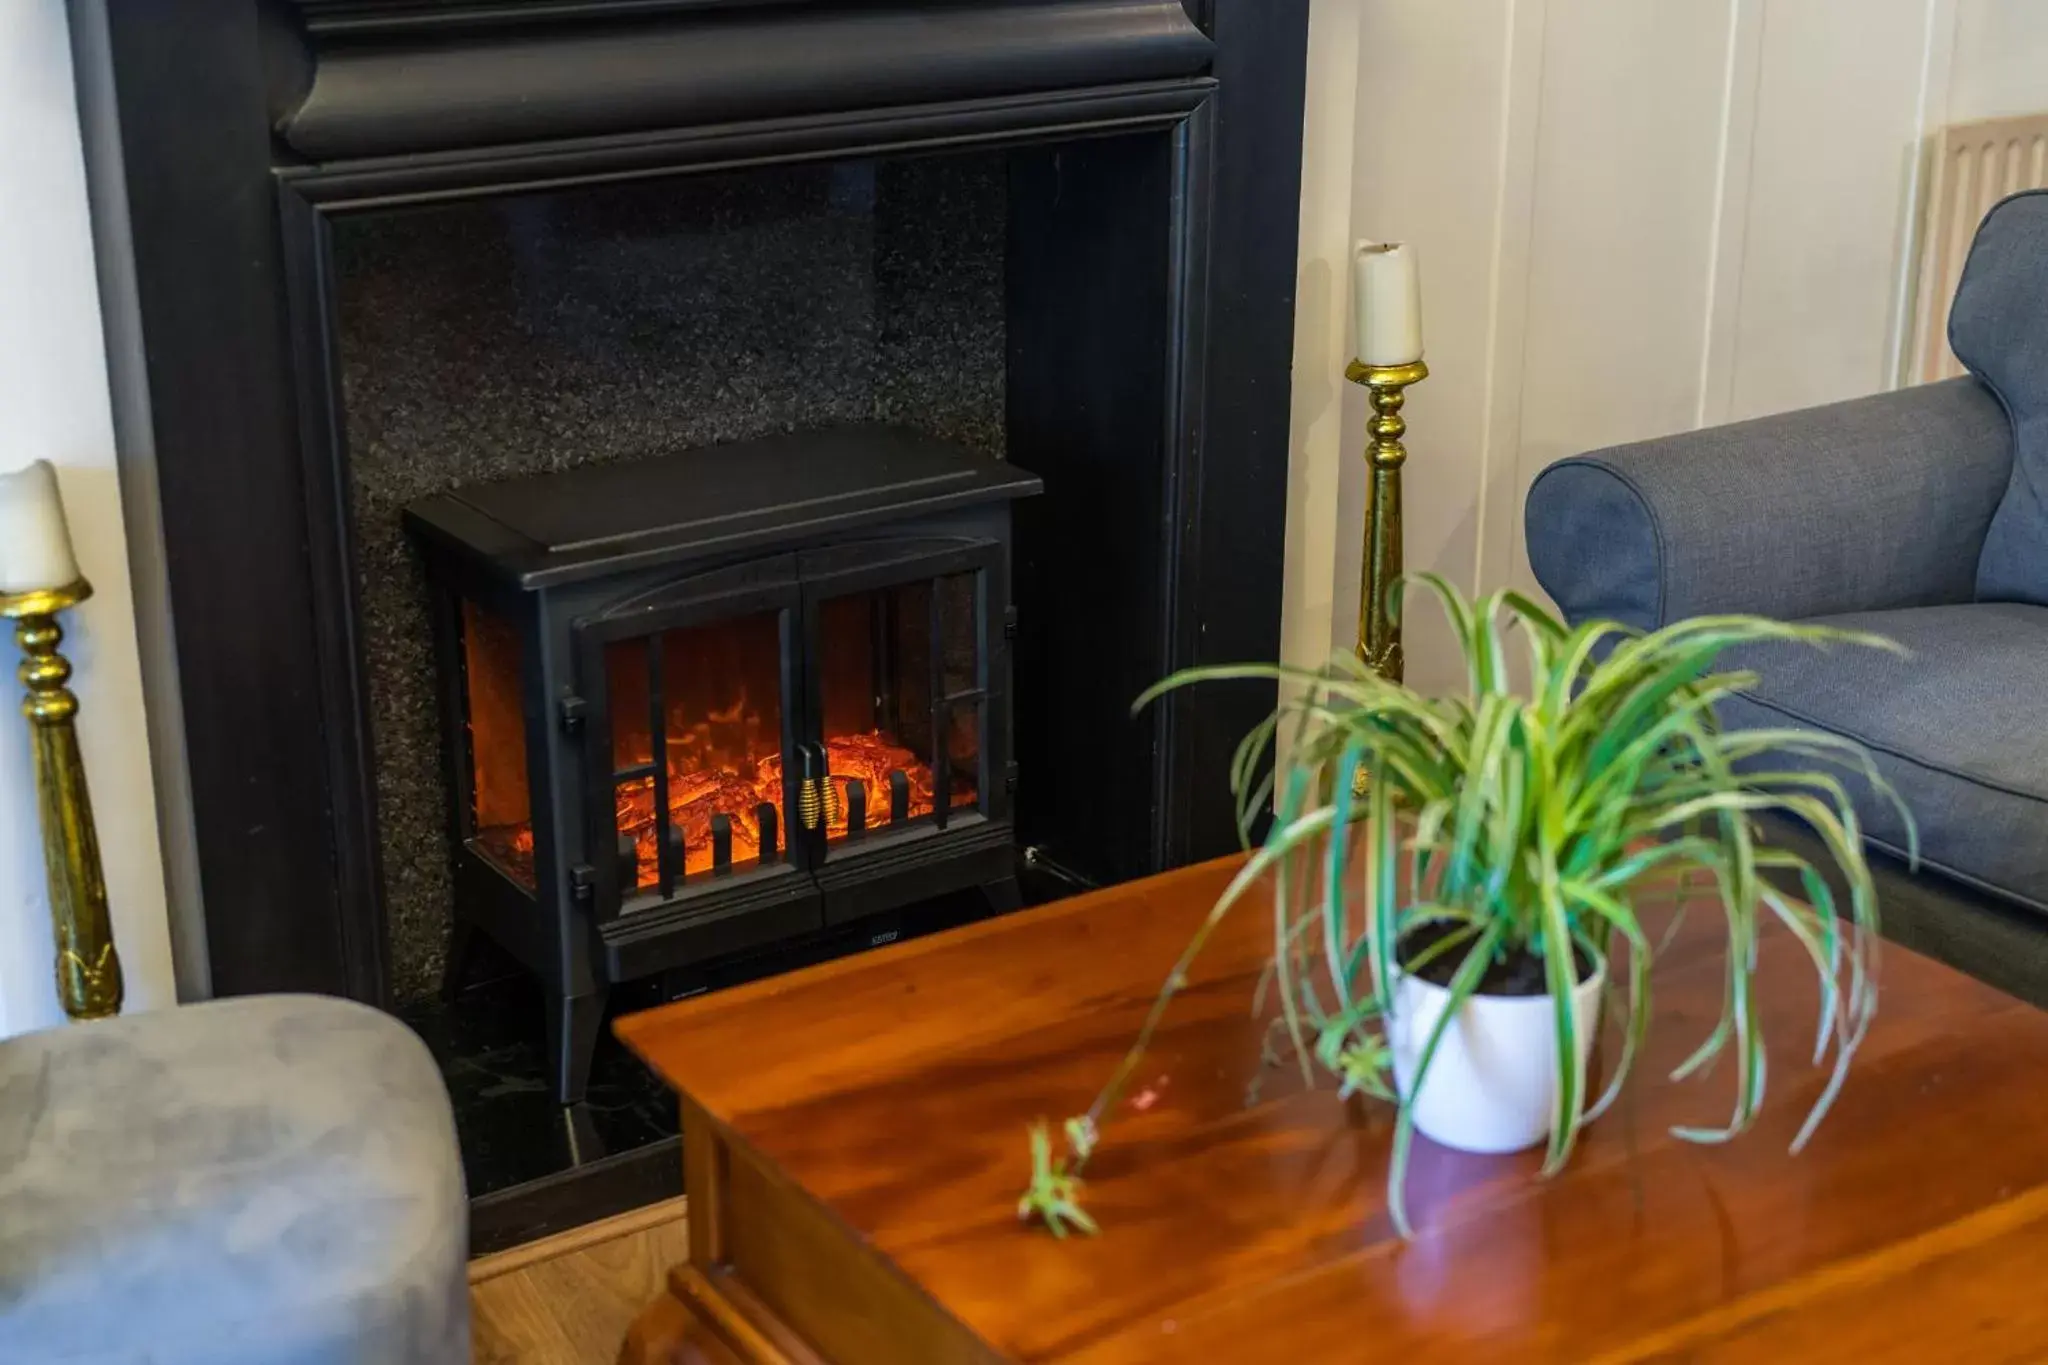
(1451, 875)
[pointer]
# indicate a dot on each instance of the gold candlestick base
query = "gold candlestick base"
(1379, 631)
(88, 968)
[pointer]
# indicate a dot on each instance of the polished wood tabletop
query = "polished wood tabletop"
(856, 1141)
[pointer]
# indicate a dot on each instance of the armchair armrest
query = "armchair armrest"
(1868, 505)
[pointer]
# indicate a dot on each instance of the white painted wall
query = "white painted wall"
(1322, 330)
(54, 405)
(2000, 49)
(1634, 217)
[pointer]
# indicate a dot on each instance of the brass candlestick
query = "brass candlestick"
(88, 969)
(1379, 632)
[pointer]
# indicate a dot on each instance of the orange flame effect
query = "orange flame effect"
(736, 786)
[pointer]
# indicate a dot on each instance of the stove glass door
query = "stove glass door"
(900, 685)
(697, 726)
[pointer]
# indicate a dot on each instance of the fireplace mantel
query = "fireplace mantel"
(246, 127)
(393, 87)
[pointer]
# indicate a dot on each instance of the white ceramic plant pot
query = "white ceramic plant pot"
(1493, 1082)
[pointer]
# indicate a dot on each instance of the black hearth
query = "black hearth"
(721, 700)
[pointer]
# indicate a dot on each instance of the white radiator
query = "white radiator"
(1975, 166)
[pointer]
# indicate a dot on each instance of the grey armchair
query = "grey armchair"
(1921, 515)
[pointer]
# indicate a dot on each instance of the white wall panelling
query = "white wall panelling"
(1999, 62)
(1634, 217)
(1831, 177)
(1321, 332)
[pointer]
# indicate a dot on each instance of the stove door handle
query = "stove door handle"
(813, 785)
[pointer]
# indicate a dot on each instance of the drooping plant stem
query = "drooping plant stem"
(1176, 980)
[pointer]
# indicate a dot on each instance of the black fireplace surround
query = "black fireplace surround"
(1149, 158)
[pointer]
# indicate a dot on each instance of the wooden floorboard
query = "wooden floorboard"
(567, 1299)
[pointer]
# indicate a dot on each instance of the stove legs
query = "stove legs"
(579, 1134)
(461, 948)
(573, 1023)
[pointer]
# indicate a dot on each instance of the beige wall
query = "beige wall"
(1634, 217)
(1322, 331)
(2000, 48)
(54, 405)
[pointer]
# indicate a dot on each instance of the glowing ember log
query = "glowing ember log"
(735, 789)
(702, 783)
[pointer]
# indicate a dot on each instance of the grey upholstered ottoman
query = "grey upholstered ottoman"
(249, 1182)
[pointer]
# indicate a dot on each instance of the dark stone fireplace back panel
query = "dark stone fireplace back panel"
(492, 338)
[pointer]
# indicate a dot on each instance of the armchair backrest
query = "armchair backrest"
(1999, 328)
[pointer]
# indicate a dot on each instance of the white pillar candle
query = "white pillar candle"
(1389, 303)
(35, 544)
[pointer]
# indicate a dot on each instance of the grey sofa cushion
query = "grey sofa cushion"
(271, 1179)
(1998, 326)
(1960, 728)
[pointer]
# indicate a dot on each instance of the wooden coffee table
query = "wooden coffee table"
(855, 1144)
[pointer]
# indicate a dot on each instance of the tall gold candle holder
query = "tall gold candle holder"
(88, 968)
(1379, 630)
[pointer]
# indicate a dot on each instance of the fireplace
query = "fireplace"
(705, 703)
(392, 254)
